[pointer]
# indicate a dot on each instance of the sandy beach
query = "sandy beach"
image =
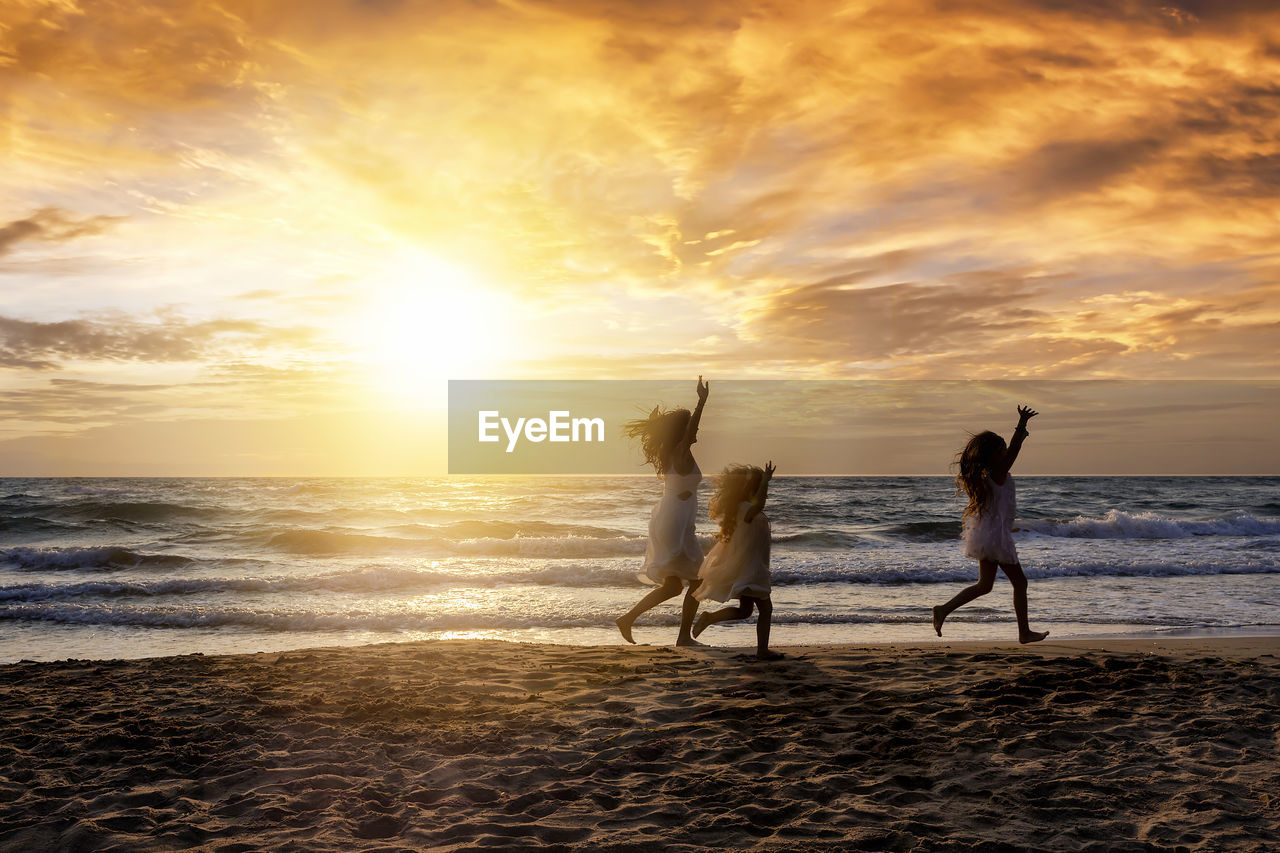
(459, 745)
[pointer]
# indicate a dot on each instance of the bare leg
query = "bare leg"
(687, 611)
(1019, 581)
(986, 577)
(763, 623)
(724, 614)
(670, 589)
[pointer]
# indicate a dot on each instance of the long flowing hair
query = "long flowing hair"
(659, 433)
(737, 484)
(972, 465)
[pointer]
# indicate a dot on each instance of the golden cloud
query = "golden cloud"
(982, 188)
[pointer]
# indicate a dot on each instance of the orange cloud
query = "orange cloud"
(978, 188)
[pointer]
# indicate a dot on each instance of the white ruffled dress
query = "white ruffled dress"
(740, 566)
(990, 536)
(673, 547)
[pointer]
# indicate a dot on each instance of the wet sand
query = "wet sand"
(460, 745)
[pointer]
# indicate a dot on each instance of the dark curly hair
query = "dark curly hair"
(973, 463)
(659, 433)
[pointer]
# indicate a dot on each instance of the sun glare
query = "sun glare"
(427, 321)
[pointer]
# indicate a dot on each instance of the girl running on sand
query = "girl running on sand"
(984, 478)
(738, 565)
(672, 557)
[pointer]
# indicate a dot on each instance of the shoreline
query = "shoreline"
(737, 636)
(1128, 744)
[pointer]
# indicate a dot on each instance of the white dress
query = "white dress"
(740, 566)
(673, 547)
(990, 536)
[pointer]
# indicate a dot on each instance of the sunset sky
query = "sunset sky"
(258, 237)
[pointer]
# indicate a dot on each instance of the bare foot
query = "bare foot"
(938, 619)
(1033, 637)
(689, 641)
(700, 624)
(625, 628)
(769, 654)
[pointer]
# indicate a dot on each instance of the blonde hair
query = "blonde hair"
(659, 433)
(737, 483)
(973, 464)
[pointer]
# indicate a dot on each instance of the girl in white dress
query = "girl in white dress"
(672, 556)
(988, 522)
(738, 565)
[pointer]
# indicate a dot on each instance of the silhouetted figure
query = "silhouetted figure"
(738, 565)
(673, 555)
(988, 521)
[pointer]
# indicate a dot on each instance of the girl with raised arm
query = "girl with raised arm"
(984, 478)
(673, 555)
(738, 565)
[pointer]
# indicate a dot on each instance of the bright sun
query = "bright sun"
(427, 321)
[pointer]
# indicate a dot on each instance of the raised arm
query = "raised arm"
(691, 433)
(1015, 444)
(761, 495)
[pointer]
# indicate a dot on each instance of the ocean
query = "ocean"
(125, 568)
